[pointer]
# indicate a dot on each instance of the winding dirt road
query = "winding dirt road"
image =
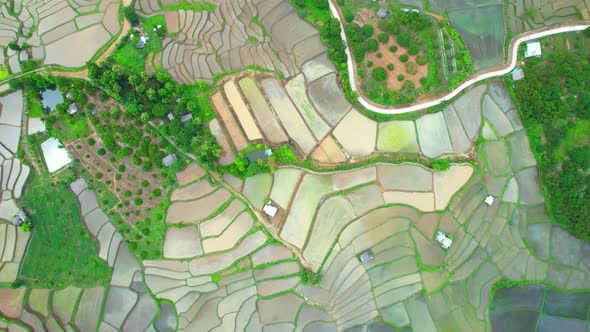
(471, 80)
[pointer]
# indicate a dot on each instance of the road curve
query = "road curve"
(474, 78)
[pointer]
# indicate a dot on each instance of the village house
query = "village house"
(517, 74)
(72, 109)
(169, 160)
(382, 12)
(366, 256)
(19, 218)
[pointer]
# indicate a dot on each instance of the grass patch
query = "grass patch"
(196, 7)
(285, 156)
(72, 127)
(61, 251)
(35, 110)
(130, 56)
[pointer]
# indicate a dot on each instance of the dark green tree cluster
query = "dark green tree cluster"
(147, 96)
(554, 99)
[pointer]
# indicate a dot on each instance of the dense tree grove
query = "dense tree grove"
(554, 100)
(148, 96)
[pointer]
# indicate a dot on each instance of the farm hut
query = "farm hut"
(533, 49)
(134, 23)
(256, 155)
(19, 218)
(186, 117)
(269, 209)
(443, 240)
(72, 109)
(170, 116)
(51, 98)
(69, 96)
(23, 56)
(517, 74)
(366, 256)
(382, 12)
(168, 160)
(489, 200)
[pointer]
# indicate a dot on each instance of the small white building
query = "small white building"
(533, 49)
(443, 240)
(382, 13)
(170, 116)
(489, 200)
(269, 209)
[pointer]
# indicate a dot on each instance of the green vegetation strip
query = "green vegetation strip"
(61, 251)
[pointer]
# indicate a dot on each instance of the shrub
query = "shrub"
(390, 66)
(121, 168)
(127, 193)
(91, 141)
(400, 77)
(101, 152)
(413, 49)
(379, 55)
(157, 192)
(423, 80)
(144, 183)
(404, 38)
(372, 45)
(98, 176)
(441, 164)
(392, 48)
(138, 192)
(411, 68)
(421, 59)
(309, 278)
(383, 37)
(403, 58)
(370, 64)
(138, 201)
(379, 74)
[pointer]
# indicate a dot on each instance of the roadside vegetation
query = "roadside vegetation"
(554, 101)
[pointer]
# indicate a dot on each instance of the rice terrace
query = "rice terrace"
(294, 165)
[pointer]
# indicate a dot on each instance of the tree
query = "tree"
(368, 30)
(587, 32)
(320, 4)
(130, 14)
(404, 38)
(379, 74)
(383, 37)
(372, 45)
(354, 32)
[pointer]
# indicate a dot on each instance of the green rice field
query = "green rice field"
(482, 31)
